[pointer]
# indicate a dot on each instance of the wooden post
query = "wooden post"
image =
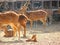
(50, 17)
(6, 5)
(42, 4)
(58, 3)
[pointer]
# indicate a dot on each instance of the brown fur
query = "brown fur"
(38, 15)
(6, 32)
(10, 18)
(14, 20)
(23, 20)
(34, 15)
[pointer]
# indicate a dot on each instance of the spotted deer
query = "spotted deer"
(15, 20)
(10, 18)
(34, 15)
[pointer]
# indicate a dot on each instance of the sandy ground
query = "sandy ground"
(50, 35)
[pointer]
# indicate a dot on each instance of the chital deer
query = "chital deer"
(34, 15)
(10, 18)
(37, 15)
(23, 20)
(14, 20)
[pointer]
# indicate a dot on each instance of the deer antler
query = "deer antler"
(24, 7)
(27, 3)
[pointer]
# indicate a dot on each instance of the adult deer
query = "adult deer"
(34, 15)
(10, 18)
(23, 20)
(14, 20)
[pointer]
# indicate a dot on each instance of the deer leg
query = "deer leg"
(18, 30)
(44, 22)
(14, 31)
(24, 26)
(31, 24)
(19, 33)
(24, 32)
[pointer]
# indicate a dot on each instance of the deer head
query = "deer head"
(24, 7)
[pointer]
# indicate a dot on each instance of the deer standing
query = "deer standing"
(23, 20)
(34, 15)
(14, 20)
(10, 18)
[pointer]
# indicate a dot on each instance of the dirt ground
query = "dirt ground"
(49, 35)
